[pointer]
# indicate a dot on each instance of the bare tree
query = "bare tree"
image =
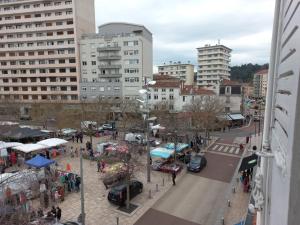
(204, 112)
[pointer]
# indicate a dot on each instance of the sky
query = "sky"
(180, 26)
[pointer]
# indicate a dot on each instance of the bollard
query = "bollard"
(228, 203)
(223, 220)
(150, 194)
(156, 187)
(233, 189)
(117, 220)
(163, 183)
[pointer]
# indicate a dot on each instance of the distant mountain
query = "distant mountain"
(245, 72)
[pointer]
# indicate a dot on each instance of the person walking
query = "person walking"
(99, 166)
(58, 213)
(173, 177)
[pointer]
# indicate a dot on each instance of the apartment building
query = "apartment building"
(172, 93)
(182, 71)
(260, 81)
(39, 53)
(213, 65)
(116, 61)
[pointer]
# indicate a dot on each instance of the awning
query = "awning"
(236, 116)
(248, 162)
(4, 145)
(224, 117)
(27, 148)
(161, 153)
(179, 147)
(39, 162)
(52, 142)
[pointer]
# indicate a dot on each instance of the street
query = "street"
(198, 197)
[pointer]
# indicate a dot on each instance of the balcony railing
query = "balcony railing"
(115, 66)
(115, 75)
(109, 48)
(109, 57)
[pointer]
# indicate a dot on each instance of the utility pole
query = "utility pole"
(148, 136)
(82, 190)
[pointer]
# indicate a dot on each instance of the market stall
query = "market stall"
(55, 145)
(39, 162)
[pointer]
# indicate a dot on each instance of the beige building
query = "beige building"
(183, 71)
(248, 90)
(39, 48)
(213, 65)
(260, 81)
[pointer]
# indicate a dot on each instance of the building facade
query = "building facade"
(39, 53)
(260, 81)
(182, 71)
(213, 65)
(276, 191)
(172, 93)
(231, 95)
(116, 61)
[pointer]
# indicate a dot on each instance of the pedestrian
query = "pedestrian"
(241, 147)
(173, 177)
(53, 211)
(76, 152)
(58, 213)
(73, 138)
(98, 166)
(77, 137)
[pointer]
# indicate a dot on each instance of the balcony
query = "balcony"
(109, 57)
(109, 48)
(115, 66)
(115, 75)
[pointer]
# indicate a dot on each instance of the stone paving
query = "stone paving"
(98, 209)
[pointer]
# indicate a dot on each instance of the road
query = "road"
(198, 197)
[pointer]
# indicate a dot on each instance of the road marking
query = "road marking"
(215, 147)
(226, 149)
(237, 151)
(231, 150)
(220, 149)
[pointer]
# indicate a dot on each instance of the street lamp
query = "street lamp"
(146, 92)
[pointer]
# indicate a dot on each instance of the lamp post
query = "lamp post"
(146, 117)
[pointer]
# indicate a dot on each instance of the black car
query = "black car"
(117, 195)
(197, 163)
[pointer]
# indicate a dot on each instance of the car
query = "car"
(105, 127)
(118, 194)
(197, 163)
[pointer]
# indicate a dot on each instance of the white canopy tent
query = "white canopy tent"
(4, 145)
(52, 142)
(27, 148)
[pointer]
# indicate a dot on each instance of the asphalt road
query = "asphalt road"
(197, 197)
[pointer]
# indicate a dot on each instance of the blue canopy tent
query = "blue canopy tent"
(161, 153)
(179, 147)
(39, 162)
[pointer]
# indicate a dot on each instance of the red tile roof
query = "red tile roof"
(195, 90)
(164, 77)
(166, 83)
(262, 72)
(230, 82)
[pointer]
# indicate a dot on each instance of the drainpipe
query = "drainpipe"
(264, 166)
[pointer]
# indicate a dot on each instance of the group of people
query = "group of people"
(55, 213)
(78, 136)
(246, 178)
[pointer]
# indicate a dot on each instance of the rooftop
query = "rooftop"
(230, 82)
(262, 72)
(195, 90)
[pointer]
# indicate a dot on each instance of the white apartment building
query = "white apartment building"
(39, 53)
(116, 61)
(182, 71)
(213, 65)
(174, 94)
(260, 81)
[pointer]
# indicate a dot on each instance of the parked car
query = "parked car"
(106, 126)
(197, 163)
(118, 194)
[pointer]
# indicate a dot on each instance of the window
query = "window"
(61, 61)
(43, 71)
(33, 79)
(51, 52)
(50, 34)
(47, 14)
(73, 79)
(36, 5)
(37, 15)
(43, 88)
(72, 60)
(68, 2)
(69, 12)
(58, 13)
(93, 63)
(15, 80)
(163, 90)
(59, 23)
(93, 88)
(62, 70)
(69, 22)
(30, 53)
(31, 62)
(62, 79)
(5, 80)
(52, 71)
(73, 70)
(6, 88)
(183, 98)
(101, 89)
(57, 3)
(171, 97)
(60, 42)
(49, 24)
(171, 90)
(63, 88)
(70, 32)
(83, 88)
(32, 71)
(26, 6)
(60, 33)
(40, 53)
(155, 97)
(42, 79)
(47, 4)
(24, 88)
(51, 61)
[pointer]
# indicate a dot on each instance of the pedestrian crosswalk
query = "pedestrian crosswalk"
(225, 148)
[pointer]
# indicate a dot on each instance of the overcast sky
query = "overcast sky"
(180, 26)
